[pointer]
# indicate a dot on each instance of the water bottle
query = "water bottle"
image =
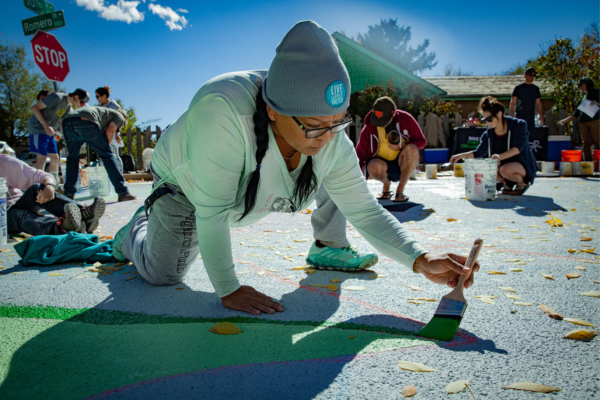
(3, 210)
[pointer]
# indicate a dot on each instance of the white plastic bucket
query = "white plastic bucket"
(63, 170)
(431, 171)
(480, 179)
(566, 168)
(547, 167)
(98, 181)
(3, 210)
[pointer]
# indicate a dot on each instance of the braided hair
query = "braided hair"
(306, 184)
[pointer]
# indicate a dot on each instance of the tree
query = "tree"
(519, 69)
(19, 87)
(564, 62)
(391, 42)
(449, 70)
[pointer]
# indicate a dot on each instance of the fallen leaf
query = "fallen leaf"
(522, 303)
(513, 296)
(243, 272)
(335, 280)
(415, 302)
(586, 239)
(573, 275)
(415, 367)
(521, 263)
(572, 251)
(588, 250)
(54, 274)
(315, 285)
(261, 273)
(496, 273)
(515, 270)
(354, 288)
(309, 271)
(271, 270)
(332, 288)
(579, 322)
(591, 294)
(409, 391)
(551, 313)
(226, 328)
(532, 387)
(298, 268)
(507, 289)
(179, 288)
(451, 220)
(580, 267)
(130, 278)
(413, 287)
(487, 300)
(585, 335)
(373, 276)
(426, 299)
(457, 386)
(596, 281)
(491, 296)
(511, 261)
(548, 276)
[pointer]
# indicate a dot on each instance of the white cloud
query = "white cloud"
(182, 10)
(125, 11)
(174, 21)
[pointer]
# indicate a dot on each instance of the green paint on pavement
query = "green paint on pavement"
(68, 353)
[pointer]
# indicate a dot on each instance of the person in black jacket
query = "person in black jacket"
(506, 140)
(588, 126)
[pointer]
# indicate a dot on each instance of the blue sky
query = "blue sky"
(156, 54)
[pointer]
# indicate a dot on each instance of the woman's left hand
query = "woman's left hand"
(45, 195)
(444, 268)
(497, 157)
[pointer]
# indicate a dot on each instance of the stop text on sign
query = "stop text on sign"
(49, 56)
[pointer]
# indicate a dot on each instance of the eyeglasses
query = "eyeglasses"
(488, 119)
(315, 133)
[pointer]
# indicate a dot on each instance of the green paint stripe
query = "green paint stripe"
(110, 317)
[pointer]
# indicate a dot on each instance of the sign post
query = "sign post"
(43, 22)
(50, 56)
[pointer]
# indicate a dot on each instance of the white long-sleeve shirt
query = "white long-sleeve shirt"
(210, 151)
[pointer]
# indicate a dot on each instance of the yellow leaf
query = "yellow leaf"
(496, 273)
(573, 275)
(491, 296)
(261, 273)
(179, 288)
(309, 271)
(335, 280)
(572, 251)
(409, 391)
(415, 302)
(298, 268)
(487, 300)
(373, 276)
(54, 274)
(588, 250)
(354, 288)
(415, 367)
(532, 387)
(522, 303)
(308, 211)
(226, 328)
(551, 313)
(130, 278)
(596, 281)
(457, 386)
(591, 294)
(451, 220)
(585, 335)
(586, 239)
(579, 322)
(511, 261)
(332, 288)
(520, 263)
(515, 270)
(426, 299)
(413, 287)
(271, 270)
(508, 289)
(548, 276)
(580, 267)
(513, 296)
(321, 286)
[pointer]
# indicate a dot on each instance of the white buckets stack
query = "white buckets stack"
(3, 210)
(480, 179)
(98, 181)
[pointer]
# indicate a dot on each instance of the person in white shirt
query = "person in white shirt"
(256, 142)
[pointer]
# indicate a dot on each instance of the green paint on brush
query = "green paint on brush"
(440, 328)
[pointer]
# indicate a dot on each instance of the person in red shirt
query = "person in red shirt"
(388, 147)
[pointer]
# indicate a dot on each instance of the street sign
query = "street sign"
(39, 6)
(44, 22)
(50, 56)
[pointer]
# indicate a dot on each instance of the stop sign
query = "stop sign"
(50, 56)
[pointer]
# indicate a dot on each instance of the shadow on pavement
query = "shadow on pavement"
(72, 354)
(525, 205)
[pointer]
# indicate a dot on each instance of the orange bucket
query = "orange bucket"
(596, 158)
(571, 155)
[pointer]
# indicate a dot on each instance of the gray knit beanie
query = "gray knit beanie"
(307, 77)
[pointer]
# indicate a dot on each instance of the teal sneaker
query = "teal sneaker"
(120, 237)
(344, 259)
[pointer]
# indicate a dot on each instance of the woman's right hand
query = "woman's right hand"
(49, 131)
(455, 158)
(247, 299)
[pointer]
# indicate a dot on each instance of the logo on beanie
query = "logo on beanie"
(336, 94)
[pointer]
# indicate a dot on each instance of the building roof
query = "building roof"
(367, 68)
(475, 87)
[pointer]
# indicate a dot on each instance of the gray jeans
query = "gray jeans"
(163, 246)
(329, 225)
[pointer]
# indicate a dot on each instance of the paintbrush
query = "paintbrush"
(449, 314)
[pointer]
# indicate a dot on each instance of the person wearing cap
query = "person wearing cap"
(526, 100)
(388, 147)
(589, 125)
(47, 115)
(256, 142)
(95, 126)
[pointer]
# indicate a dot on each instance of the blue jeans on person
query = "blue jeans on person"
(22, 216)
(78, 131)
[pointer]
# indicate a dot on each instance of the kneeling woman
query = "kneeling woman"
(252, 143)
(506, 140)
